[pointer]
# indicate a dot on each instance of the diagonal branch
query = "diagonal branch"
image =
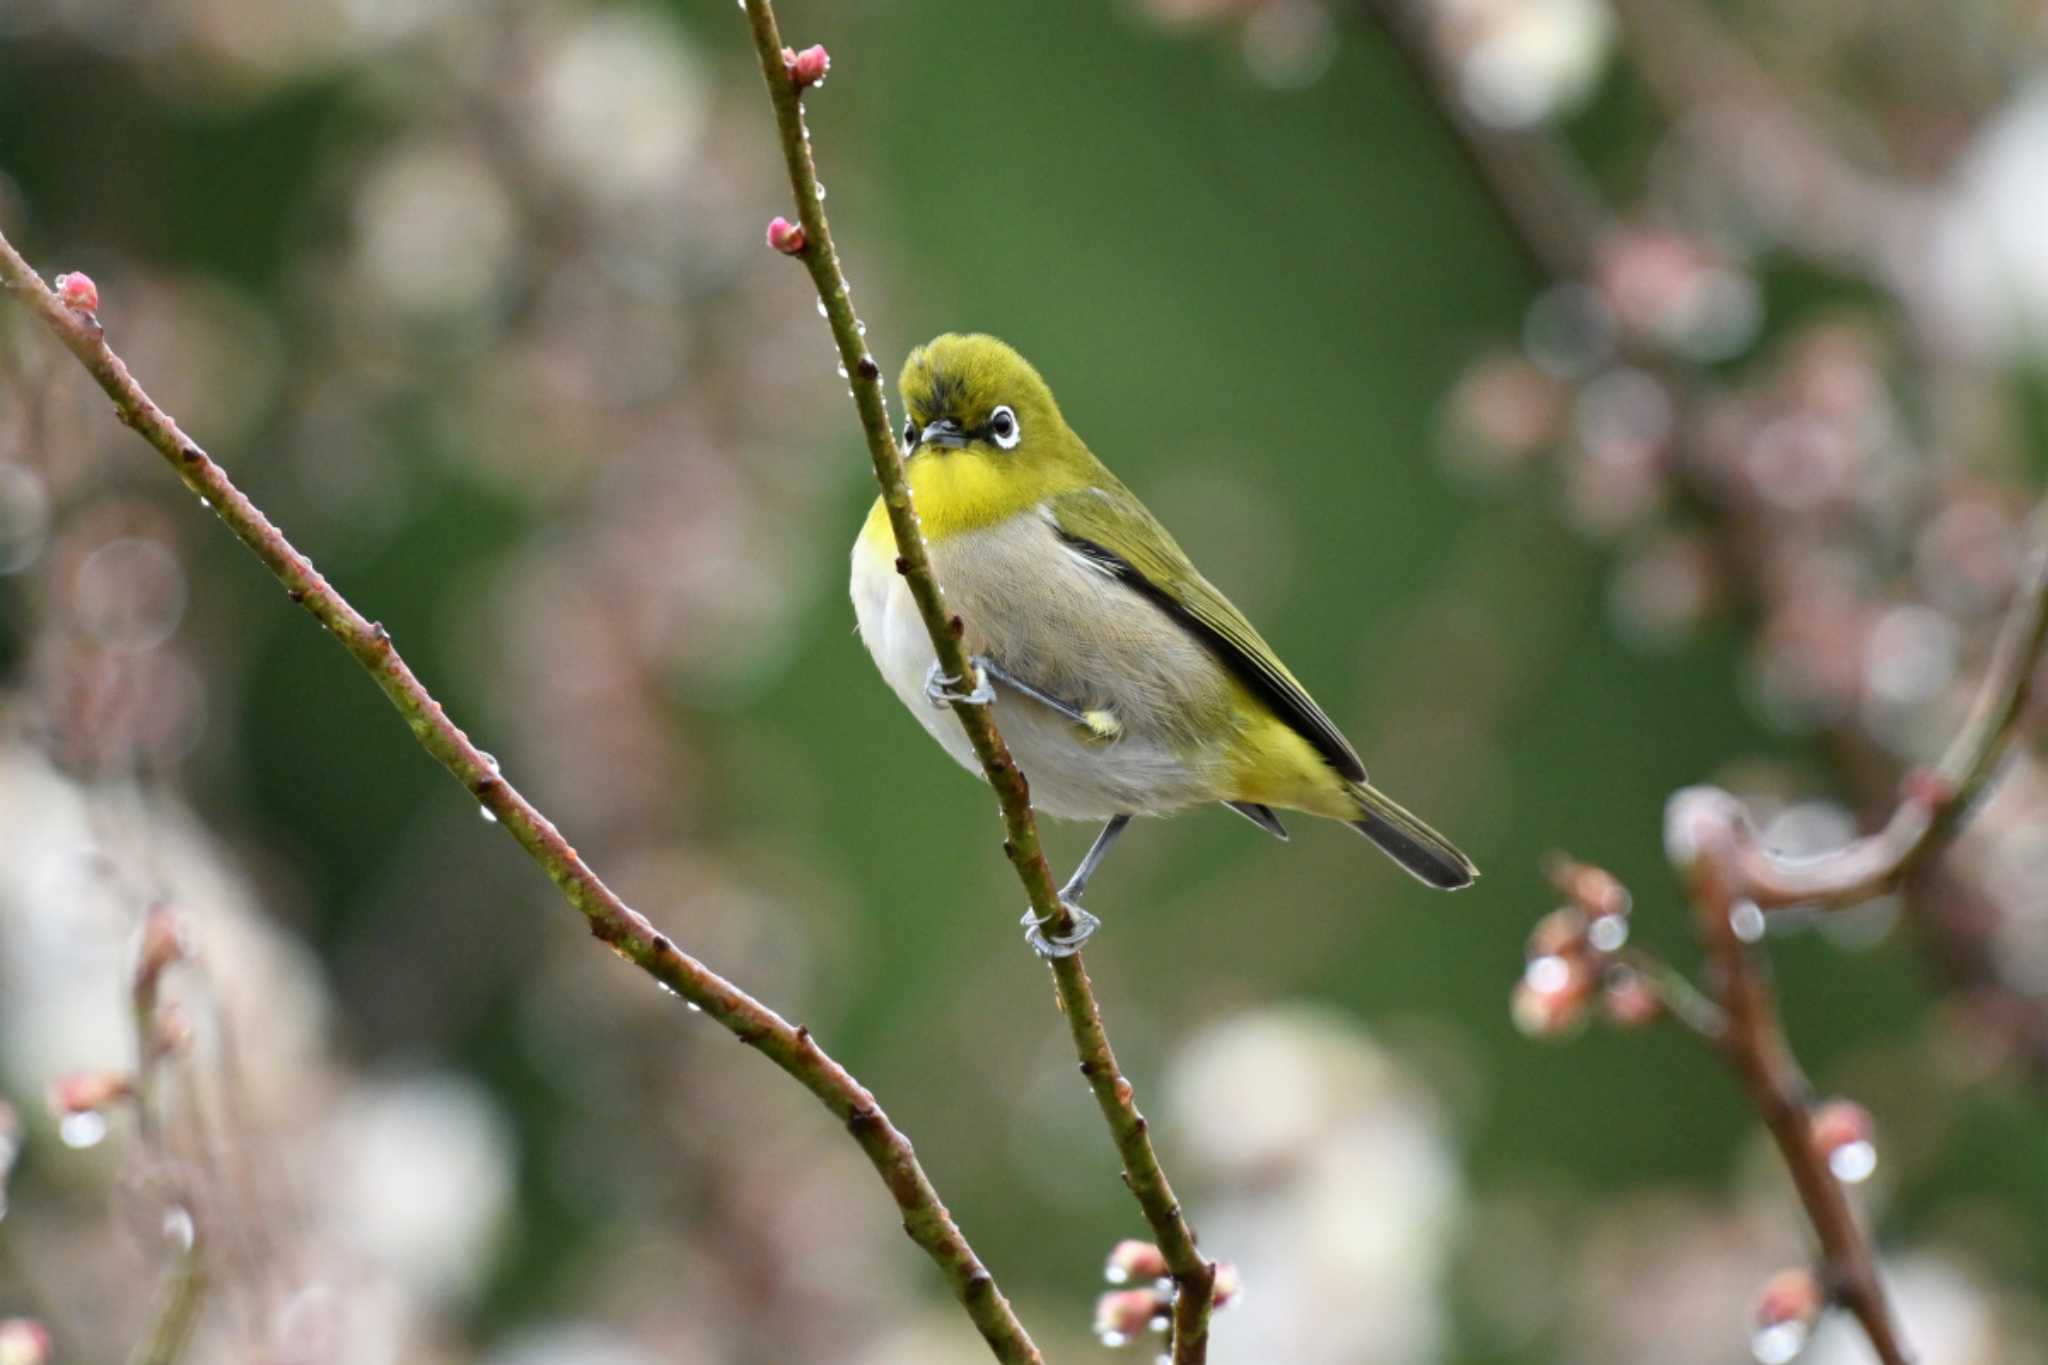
(629, 933)
(1193, 1276)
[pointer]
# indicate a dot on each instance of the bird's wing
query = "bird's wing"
(1110, 527)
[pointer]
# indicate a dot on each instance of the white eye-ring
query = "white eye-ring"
(1003, 428)
(909, 437)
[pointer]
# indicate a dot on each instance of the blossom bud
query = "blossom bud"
(1550, 999)
(1628, 1000)
(161, 943)
(83, 1091)
(808, 67)
(1842, 1132)
(1561, 933)
(1786, 1310)
(786, 237)
(1124, 1313)
(78, 292)
(1229, 1284)
(1594, 890)
(1133, 1261)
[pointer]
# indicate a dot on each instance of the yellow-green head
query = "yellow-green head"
(983, 436)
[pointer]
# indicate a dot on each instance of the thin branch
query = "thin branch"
(182, 1292)
(1755, 1048)
(179, 1298)
(610, 919)
(1193, 1276)
(1681, 1000)
(1935, 802)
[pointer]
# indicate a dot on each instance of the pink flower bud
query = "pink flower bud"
(1229, 1284)
(84, 1091)
(78, 291)
(808, 67)
(1790, 1296)
(1561, 933)
(1842, 1131)
(1628, 1001)
(162, 943)
(1546, 1008)
(1791, 1302)
(1132, 1261)
(786, 237)
(1594, 890)
(1124, 1313)
(23, 1342)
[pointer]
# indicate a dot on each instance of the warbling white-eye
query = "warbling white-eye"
(1124, 682)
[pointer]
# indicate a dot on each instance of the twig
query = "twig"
(177, 1312)
(185, 1280)
(1541, 193)
(610, 919)
(1193, 1276)
(1755, 1048)
(1935, 802)
(1681, 1000)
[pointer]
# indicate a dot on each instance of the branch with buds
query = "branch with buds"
(70, 314)
(810, 241)
(1579, 952)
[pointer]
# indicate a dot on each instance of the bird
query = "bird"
(1124, 682)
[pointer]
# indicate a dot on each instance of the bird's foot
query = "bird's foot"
(1050, 946)
(940, 688)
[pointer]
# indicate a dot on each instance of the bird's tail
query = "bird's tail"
(1425, 854)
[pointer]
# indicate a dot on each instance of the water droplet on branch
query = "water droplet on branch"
(83, 1129)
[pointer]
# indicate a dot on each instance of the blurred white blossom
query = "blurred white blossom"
(1982, 279)
(415, 1177)
(1519, 62)
(621, 105)
(1329, 1180)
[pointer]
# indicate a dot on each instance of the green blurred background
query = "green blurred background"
(1254, 297)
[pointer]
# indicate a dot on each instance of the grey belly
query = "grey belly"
(1072, 632)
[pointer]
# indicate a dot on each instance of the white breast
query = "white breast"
(1058, 622)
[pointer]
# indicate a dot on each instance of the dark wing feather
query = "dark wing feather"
(1111, 527)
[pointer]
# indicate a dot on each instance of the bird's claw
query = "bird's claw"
(939, 688)
(1051, 946)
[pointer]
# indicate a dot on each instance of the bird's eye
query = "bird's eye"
(909, 436)
(1003, 428)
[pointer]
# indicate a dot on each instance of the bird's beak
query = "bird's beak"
(944, 433)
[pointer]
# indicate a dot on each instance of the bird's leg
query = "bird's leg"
(1100, 724)
(939, 687)
(1066, 945)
